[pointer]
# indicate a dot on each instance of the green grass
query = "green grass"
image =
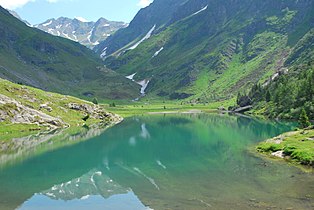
(10, 131)
(298, 145)
(141, 108)
(33, 98)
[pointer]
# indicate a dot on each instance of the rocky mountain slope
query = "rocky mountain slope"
(210, 50)
(147, 21)
(80, 30)
(18, 17)
(33, 57)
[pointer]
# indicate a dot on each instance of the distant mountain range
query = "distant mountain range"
(80, 30)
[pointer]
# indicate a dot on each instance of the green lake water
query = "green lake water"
(157, 162)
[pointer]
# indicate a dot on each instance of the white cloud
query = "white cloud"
(144, 3)
(13, 4)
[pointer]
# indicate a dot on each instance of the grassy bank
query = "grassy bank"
(139, 108)
(24, 101)
(295, 146)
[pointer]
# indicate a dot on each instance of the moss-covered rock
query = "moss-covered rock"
(297, 146)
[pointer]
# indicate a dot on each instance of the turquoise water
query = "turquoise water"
(160, 162)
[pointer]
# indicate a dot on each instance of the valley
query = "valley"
(195, 104)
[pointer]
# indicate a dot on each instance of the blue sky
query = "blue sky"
(37, 11)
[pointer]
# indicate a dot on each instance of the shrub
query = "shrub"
(95, 101)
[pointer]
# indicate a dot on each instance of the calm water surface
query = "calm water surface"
(159, 162)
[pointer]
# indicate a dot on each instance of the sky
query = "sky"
(38, 11)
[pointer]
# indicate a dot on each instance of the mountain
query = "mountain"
(18, 17)
(92, 183)
(32, 57)
(287, 93)
(80, 30)
(209, 50)
(146, 21)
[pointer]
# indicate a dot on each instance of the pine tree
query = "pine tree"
(304, 119)
(268, 96)
(239, 98)
(95, 101)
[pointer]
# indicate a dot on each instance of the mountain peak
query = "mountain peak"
(80, 30)
(82, 19)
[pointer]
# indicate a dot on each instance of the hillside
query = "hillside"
(32, 57)
(147, 21)
(210, 50)
(24, 109)
(289, 91)
(86, 33)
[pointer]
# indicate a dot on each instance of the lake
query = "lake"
(192, 161)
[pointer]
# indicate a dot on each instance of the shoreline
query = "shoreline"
(30, 145)
(194, 111)
(295, 147)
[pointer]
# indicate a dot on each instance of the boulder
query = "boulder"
(243, 109)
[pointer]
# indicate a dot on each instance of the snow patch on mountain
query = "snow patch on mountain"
(75, 37)
(130, 77)
(144, 83)
(47, 24)
(157, 53)
(90, 35)
(81, 19)
(147, 36)
(66, 35)
(201, 10)
(104, 53)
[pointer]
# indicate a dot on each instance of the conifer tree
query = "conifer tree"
(95, 101)
(304, 119)
(268, 96)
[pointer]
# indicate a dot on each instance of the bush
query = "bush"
(85, 118)
(112, 104)
(289, 150)
(269, 147)
(95, 101)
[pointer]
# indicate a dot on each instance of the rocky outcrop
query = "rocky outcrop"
(96, 112)
(15, 112)
(243, 109)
